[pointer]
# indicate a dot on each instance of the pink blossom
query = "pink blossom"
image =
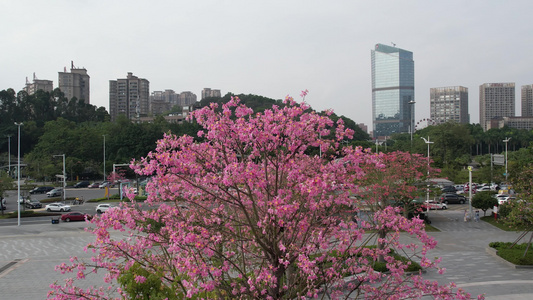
(251, 201)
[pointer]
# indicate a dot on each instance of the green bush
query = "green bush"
(23, 213)
(504, 210)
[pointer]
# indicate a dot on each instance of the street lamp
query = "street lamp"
(64, 178)
(427, 191)
(411, 127)
(506, 141)
(104, 156)
(18, 176)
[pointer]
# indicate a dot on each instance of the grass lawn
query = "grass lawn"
(499, 224)
(515, 254)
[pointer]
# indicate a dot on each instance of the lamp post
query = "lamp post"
(411, 127)
(104, 156)
(506, 141)
(64, 178)
(427, 191)
(18, 175)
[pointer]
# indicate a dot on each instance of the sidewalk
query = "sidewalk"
(462, 248)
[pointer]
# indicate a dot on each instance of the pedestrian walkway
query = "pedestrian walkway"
(461, 245)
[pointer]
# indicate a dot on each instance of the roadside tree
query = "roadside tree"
(484, 201)
(248, 214)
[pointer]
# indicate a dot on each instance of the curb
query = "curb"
(494, 253)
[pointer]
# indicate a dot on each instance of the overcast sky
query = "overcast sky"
(269, 48)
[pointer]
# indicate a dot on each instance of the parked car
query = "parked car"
(94, 185)
(459, 187)
(106, 184)
(449, 189)
(55, 192)
(57, 207)
(449, 198)
(102, 208)
(82, 184)
(33, 203)
(503, 198)
(437, 205)
(41, 190)
(75, 216)
(484, 188)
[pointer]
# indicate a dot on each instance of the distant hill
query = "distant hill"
(260, 103)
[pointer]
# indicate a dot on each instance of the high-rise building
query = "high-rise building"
(75, 83)
(187, 98)
(207, 92)
(162, 101)
(129, 96)
(38, 84)
(527, 100)
(495, 100)
(393, 90)
(449, 104)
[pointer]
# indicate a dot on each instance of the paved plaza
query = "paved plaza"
(29, 253)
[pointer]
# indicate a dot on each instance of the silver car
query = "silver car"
(55, 192)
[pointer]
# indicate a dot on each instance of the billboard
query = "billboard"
(498, 159)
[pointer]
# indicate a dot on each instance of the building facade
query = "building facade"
(495, 100)
(38, 84)
(163, 101)
(187, 98)
(129, 96)
(207, 92)
(75, 84)
(512, 122)
(527, 100)
(449, 104)
(393, 90)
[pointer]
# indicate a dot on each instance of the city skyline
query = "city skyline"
(271, 49)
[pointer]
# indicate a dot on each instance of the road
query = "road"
(81, 193)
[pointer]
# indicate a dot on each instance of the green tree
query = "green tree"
(484, 201)
(6, 183)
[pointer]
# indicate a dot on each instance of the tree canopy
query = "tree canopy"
(247, 213)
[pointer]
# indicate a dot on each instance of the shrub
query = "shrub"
(504, 210)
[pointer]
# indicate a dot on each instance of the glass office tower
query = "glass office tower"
(393, 90)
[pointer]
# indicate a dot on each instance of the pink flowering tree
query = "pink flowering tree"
(249, 214)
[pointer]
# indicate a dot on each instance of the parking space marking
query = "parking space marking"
(11, 266)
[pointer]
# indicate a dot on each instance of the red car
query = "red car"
(75, 216)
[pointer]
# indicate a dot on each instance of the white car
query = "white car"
(437, 205)
(101, 208)
(502, 198)
(57, 207)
